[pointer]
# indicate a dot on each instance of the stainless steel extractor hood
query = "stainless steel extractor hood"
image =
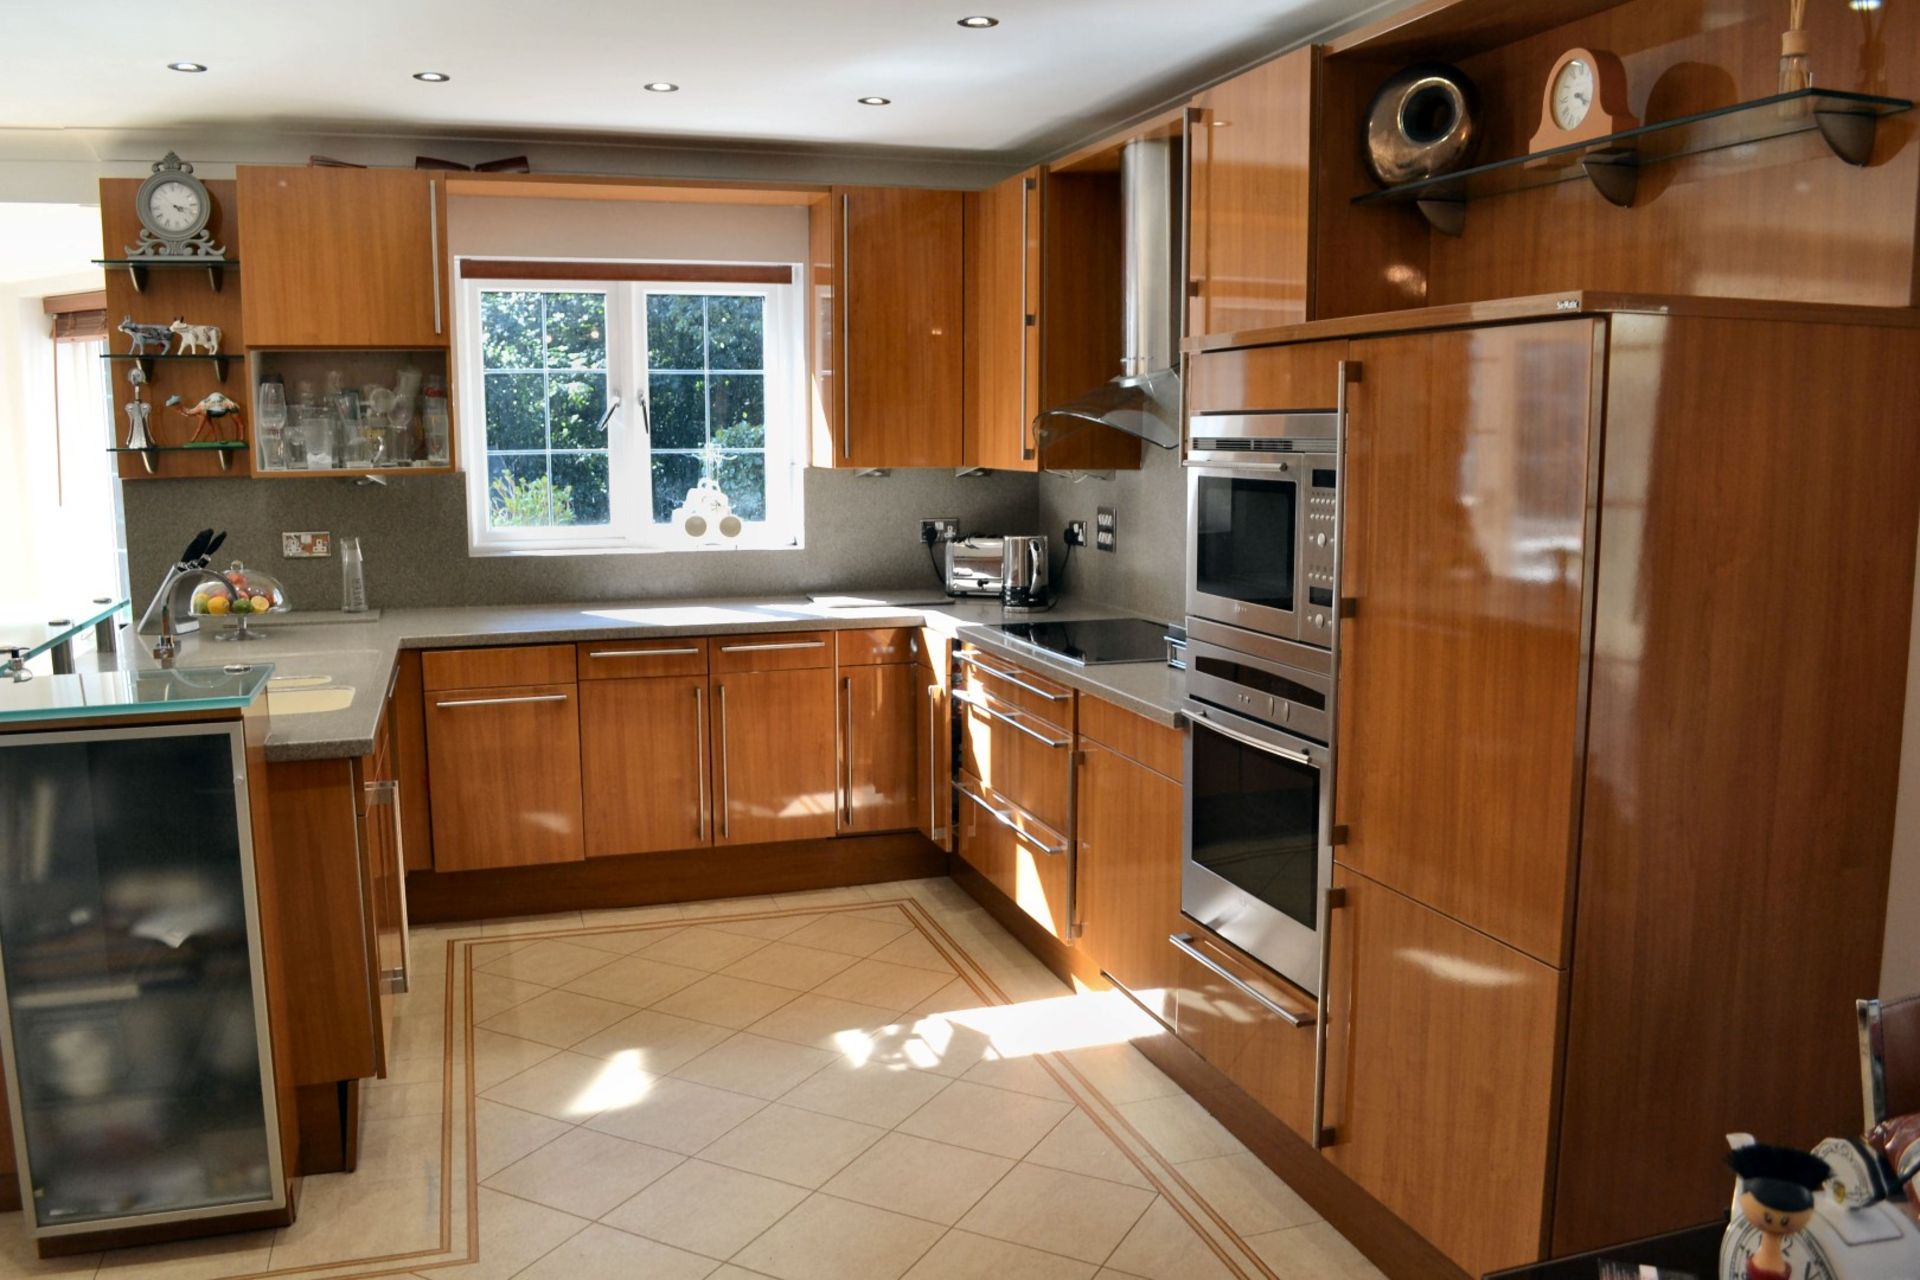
(1144, 400)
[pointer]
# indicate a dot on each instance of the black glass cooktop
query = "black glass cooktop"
(1094, 642)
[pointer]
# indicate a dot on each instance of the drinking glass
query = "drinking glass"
(402, 443)
(436, 424)
(318, 431)
(270, 416)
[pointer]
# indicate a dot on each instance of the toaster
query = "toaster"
(976, 566)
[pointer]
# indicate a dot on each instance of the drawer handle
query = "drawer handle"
(496, 702)
(642, 653)
(974, 660)
(981, 705)
(768, 648)
(1005, 819)
(1184, 941)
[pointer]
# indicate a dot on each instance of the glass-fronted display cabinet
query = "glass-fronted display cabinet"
(134, 1028)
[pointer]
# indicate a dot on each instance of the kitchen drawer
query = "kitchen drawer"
(1304, 375)
(614, 659)
(494, 668)
(1026, 860)
(774, 651)
(1224, 1021)
(930, 648)
(1011, 684)
(874, 647)
(1023, 758)
(1137, 738)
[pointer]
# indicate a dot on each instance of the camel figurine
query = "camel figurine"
(216, 407)
(196, 339)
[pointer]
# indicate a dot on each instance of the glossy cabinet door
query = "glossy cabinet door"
(644, 763)
(1230, 1021)
(503, 765)
(1003, 324)
(1469, 503)
(774, 765)
(1440, 1066)
(877, 755)
(933, 755)
(1127, 836)
(1249, 199)
(1025, 859)
(898, 324)
(343, 257)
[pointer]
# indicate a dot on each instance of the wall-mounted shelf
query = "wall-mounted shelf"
(147, 362)
(1612, 163)
(220, 449)
(137, 268)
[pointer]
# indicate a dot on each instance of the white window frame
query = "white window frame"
(629, 443)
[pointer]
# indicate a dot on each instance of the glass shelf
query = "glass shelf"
(216, 268)
(25, 635)
(147, 362)
(1611, 163)
(224, 450)
(124, 693)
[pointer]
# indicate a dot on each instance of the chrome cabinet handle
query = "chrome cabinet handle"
(1184, 941)
(726, 789)
(846, 712)
(497, 702)
(1005, 819)
(433, 244)
(980, 704)
(973, 660)
(933, 763)
(768, 648)
(641, 653)
(1027, 188)
(699, 762)
(394, 981)
(1247, 739)
(846, 327)
(1318, 1134)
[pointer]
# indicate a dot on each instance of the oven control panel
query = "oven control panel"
(1319, 554)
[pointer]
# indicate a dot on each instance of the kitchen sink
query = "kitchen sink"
(305, 695)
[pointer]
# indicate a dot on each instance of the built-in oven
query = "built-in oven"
(1263, 507)
(1258, 830)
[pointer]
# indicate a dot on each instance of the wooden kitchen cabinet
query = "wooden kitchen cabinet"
(1440, 1074)
(888, 328)
(1024, 858)
(933, 744)
(1230, 1021)
(343, 257)
(504, 771)
(1003, 324)
(644, 761)
(877, 704)
(1250, 198)
(773, 758)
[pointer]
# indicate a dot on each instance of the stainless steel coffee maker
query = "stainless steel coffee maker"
(1024, 575)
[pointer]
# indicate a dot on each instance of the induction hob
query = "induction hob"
(1094, 642)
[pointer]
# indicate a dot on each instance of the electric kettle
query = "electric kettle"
(1024, 574)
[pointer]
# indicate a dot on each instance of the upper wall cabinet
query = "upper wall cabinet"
(1249, 198)
(343, 257)
(887, 328)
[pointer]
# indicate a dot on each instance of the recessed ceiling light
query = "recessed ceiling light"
(432, 77)
(661, 86)
(186, 66)
(875, 102)
(979, 22)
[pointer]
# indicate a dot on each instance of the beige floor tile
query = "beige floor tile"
(619, 942)
(871, 1092)
(558, 1018)
(728, 907)
(801, 1147)
(503, 1135)
(961, 1255)
(919, 1178)
(548, 962)
(1312, 1252)
(1078, 1146)
(573, 1087)
(730, 1272)
(754, 1064)
(702, 947)
(633, 915)
(601, 1253)
(823, 1022)
(1180, 1129)
(1022, 1074)
(344, 1216)
(495, 995)
(401, 1150)
(19, 1259)
(933, 1042)
(508, 926)
(848, 934)
(496, 1057)
(1162, 1246)
(677, 1115)
(914, 950)
(584, 1173)
(660, 1041)
(984, 1119)
(207, 1259)
(784, 965)
(706, 1208)
(853, 895)
(830, 1239)
(513, 1234)
(1059, 1212)
(952, 997)
(482, 954)
(1122, 1073)
(1248, 1194)
(636, 980)
(769, 927)
(725, 1002)
(875, 982)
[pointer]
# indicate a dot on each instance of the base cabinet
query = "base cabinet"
(504, 768)
(1023, 858)
(773, 760)
(643, 762)
(877, 752)
(1127, 832)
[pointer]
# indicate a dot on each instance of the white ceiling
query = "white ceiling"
(781, 71)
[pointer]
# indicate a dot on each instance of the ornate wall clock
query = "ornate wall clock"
(174, 208)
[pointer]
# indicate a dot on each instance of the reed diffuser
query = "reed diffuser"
(1796, 72)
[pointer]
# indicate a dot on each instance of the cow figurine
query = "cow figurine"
(214, 408)
(144, 335)
(196, 339)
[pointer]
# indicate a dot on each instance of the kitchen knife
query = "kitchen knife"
(197, 548)
(207, 556)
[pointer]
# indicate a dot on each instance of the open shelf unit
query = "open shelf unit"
(137, 268)
(223, 450)
(146, 363)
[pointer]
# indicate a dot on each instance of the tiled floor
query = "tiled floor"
(857, 1084)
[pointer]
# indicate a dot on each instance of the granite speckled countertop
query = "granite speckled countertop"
(337, 672)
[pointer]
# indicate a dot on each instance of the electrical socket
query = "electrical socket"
(306, 546)
(1103, 529)
(943, 529)
(1076, 533)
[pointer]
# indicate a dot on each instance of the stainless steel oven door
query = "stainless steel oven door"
(1256, 836)
(1244, 537)
(1287, 685)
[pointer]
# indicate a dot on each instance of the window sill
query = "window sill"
(488, 553)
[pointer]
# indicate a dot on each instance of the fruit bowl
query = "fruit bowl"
(241, 594)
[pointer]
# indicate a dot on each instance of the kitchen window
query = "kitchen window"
(606, 413)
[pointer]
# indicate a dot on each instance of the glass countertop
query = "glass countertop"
(32, 632)
(128, 693)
